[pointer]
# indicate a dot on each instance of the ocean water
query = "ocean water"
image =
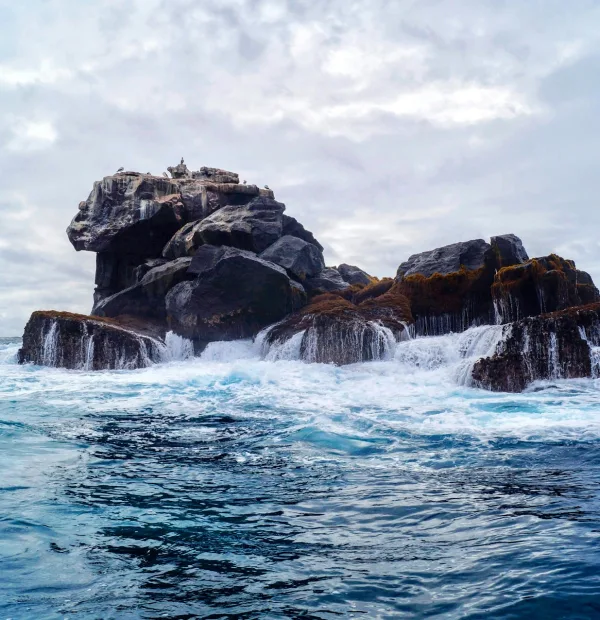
(232, 487)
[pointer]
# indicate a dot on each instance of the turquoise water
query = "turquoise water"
(230, 487)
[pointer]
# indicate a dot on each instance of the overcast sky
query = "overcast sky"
(386, 126)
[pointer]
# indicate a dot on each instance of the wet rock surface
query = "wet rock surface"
(353, 325)
(234, 294)
(211, 258)
(561, 345)
(79, 342)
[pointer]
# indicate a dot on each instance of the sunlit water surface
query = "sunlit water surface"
(229, 487)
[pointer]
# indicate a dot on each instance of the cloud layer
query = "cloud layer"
(386, 127)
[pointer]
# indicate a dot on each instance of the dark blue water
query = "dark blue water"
(251, 489)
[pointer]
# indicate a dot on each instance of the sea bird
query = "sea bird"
(121, 169)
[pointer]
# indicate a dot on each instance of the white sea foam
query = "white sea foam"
(422, 391)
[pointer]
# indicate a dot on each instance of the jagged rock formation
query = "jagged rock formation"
(209, 259)
(490, 286)
(357, 324)
(560, 345)
(79, 342)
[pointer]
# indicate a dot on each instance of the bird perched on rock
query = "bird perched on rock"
(165, 175)
(182, 161)
(244, 181)
(267, 187)
(120, 169)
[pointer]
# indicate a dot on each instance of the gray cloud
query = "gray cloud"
(386, 127)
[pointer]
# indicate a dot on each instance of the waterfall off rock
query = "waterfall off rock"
(64, 340)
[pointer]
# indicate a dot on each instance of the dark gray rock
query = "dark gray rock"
(75, 341)
(234, 294)
(146, 266)
(508, 250)
(128, 214)
(182, 243)
(548, 347)
(147, 298)
(447, 259)
(201, 197)
(299, 258)
(216, 175)
(354, 275)
(328, 280)
(292, 227)
(253, 227)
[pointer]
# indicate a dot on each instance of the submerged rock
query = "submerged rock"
(561, 345)
(79, 342)
(234, 294)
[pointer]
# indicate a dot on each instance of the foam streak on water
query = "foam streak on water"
(233, 486)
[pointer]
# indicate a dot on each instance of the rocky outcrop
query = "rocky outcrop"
(130, 214)
(78, 342)
(131, 217)
(540, 285)
(300, 259)
(211, 258)
(491, 285)
(354, 325)
(560, 345)
(233, 294)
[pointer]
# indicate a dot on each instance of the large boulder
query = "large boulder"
(130, 214)
(469, 255)
(147, 297)
(327, 280)
(545, 284)
(291, 226)
(344, 327)
(450, 288)
(234, 294)
(301, 259)
(561, 345)
(354, 275)
(254, 226)
(79, 342)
